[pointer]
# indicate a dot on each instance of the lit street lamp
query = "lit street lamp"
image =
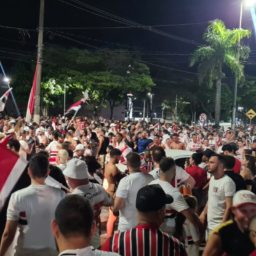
(248, 4)
(7, 80)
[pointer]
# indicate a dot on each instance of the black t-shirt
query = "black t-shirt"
(234, 242)
(238, 180)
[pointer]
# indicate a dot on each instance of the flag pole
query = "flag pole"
(73, 117)
(13, 99)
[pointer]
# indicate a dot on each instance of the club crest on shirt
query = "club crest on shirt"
(215, 189)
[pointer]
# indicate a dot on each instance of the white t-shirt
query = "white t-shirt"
(180, 177)
(33, 208)
(87, 251)
(53, 146)
(218, 190)
(178, 205)
(95, 193)
(98, 197)
(128, 189)
(124, 149)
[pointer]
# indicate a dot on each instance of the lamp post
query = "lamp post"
(247, 3)
(150, 95)
(130, 106)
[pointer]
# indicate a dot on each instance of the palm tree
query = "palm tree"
(222, 49)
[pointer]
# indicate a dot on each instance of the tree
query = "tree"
(221, 50)
(108, 75)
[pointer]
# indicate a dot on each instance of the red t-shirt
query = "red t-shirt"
(199, 175)
(237, 166)
(253, 253)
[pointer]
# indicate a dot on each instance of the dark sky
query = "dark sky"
(184, 18)
(24, 14)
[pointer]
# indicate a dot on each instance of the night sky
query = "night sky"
(187, 19)
(58, 13)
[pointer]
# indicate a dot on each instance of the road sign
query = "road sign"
(251, 114)
(203, 117)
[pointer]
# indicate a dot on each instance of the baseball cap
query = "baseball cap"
(76, 169)
(79, 147)
(244, 197)
(152, 198)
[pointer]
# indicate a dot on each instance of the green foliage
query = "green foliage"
(222, 49)
(107, 75)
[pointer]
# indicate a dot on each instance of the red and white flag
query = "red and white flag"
(31, 101)
(76, 106)
(4, 99)
(12, 166)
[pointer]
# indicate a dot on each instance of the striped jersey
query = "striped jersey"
(144, 240)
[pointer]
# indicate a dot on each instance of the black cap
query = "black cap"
(152, 198)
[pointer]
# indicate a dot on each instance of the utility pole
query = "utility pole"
(144, 109)
(7, 80)
(39, 62)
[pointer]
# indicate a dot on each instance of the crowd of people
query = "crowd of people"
(155, 204)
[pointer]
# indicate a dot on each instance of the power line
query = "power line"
(125, 27)
(17, 28)
(74, 40)
(106, 15)
(170, 68)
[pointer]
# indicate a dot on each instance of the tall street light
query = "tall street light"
(248, 4)
(150, 95)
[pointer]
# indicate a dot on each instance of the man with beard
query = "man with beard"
(232, 237)
(220, 194)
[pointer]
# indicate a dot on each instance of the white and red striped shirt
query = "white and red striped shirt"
(144, 239)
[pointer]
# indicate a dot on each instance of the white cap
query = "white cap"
(244, 197)
(40, 129)
(76, 169)
(112, 125)
(79, 147)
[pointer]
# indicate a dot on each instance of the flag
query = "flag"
(3, 99)
(50, 181)
(12, 167)
(76, 106)
(6, 140)
(31, 100)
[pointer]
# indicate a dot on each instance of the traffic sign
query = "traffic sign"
(251, 114)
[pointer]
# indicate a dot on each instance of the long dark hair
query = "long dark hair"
(251, 163)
